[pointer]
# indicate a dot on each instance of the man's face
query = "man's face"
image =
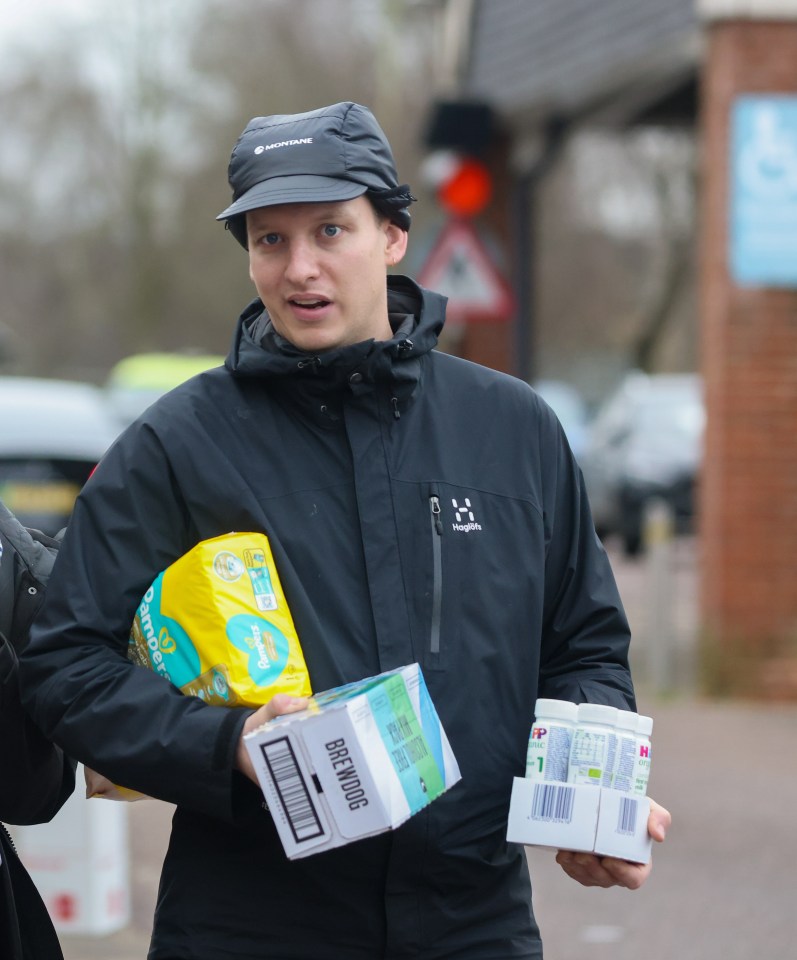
(320, 270)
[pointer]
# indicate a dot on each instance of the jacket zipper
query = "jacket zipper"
(437, 572)
(8, 837)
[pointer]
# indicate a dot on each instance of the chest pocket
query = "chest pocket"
(472, 559)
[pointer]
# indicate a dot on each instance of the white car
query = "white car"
(644, 444)
(52, 434)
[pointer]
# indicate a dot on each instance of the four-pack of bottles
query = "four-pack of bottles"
(587, 770)
(590, 743)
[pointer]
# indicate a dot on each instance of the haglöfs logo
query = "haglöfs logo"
(460, 512)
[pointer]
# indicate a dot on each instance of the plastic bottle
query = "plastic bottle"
(594, 745)
(643, 756)
(551, 736)
(623, 769)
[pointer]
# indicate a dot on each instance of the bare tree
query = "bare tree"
(618, 216)
(114, 166)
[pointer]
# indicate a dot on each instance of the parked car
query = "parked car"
(52, 433)
(645, 442)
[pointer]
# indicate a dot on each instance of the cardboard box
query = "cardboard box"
(361, 759)
(579, 817)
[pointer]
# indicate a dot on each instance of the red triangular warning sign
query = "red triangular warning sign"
(460, 268)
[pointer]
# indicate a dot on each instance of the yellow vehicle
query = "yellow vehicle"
(137, 381)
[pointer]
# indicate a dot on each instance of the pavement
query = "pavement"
(722, 886)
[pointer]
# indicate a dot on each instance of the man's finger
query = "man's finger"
(659, 821)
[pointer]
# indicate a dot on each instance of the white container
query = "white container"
(80, 863)
(578, 817)
(623, 769)
(551, 737)
(643, 756)
(594, 745)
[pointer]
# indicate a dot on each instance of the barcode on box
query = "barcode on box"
(552, 803)
(626, 816)
(296, 799)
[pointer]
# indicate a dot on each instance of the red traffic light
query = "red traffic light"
(467, 190)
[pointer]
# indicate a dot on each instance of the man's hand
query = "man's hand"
(278, 705)
(594, 871)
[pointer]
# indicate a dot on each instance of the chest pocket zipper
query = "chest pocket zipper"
(437, 573)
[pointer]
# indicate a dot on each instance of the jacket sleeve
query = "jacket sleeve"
(586, 635)
(37, 777)
(130, 521)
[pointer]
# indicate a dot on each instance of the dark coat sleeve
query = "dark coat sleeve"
(35, 776)
(130, 521)
(586, 635)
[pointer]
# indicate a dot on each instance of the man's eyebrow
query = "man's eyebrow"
(323, 210)
(332, 211)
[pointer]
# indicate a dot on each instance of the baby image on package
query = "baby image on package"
(217, 625)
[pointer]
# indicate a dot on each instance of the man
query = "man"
(420, 508)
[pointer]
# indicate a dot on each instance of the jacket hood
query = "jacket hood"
(416, 315)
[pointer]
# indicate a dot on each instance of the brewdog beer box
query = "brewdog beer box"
(359, 760)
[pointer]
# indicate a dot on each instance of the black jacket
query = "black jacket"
(420, 508)
(35, 780)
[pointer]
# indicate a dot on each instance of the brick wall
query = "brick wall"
(748, 501)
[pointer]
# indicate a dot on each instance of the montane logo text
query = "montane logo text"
(460, 513)
(282, 143)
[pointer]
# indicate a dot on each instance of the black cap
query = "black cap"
(335, 153)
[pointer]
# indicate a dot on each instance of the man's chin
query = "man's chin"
(316, 343)
(308, 338)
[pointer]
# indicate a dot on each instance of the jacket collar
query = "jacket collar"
(416, 315)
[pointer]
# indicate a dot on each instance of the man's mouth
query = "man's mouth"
(313, 303)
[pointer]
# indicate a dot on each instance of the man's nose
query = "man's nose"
(302, 262)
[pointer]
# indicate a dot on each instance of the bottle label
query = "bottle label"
(548, 751)
(641, 768)
(624, 774)
(592, 756)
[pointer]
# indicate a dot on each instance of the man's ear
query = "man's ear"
(396, 243)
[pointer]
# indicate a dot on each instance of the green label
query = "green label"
(406, 744)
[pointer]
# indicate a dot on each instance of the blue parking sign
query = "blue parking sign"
(763, 191)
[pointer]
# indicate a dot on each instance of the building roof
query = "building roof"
(534, 58)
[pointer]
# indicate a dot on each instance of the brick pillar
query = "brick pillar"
(748, 497)
(489, 343)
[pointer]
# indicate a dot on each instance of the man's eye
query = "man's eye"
(269, 239)
(330, 230)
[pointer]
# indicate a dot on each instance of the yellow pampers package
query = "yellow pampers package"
(217, 625)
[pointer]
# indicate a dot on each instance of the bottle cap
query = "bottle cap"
(645, 725)
(627, 720)
(597, 713)
(555, 709)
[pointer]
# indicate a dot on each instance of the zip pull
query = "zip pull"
(396, 411)
(309, 362)
(325, 411)
(434, 502)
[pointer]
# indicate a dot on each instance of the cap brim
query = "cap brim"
(302, 188)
